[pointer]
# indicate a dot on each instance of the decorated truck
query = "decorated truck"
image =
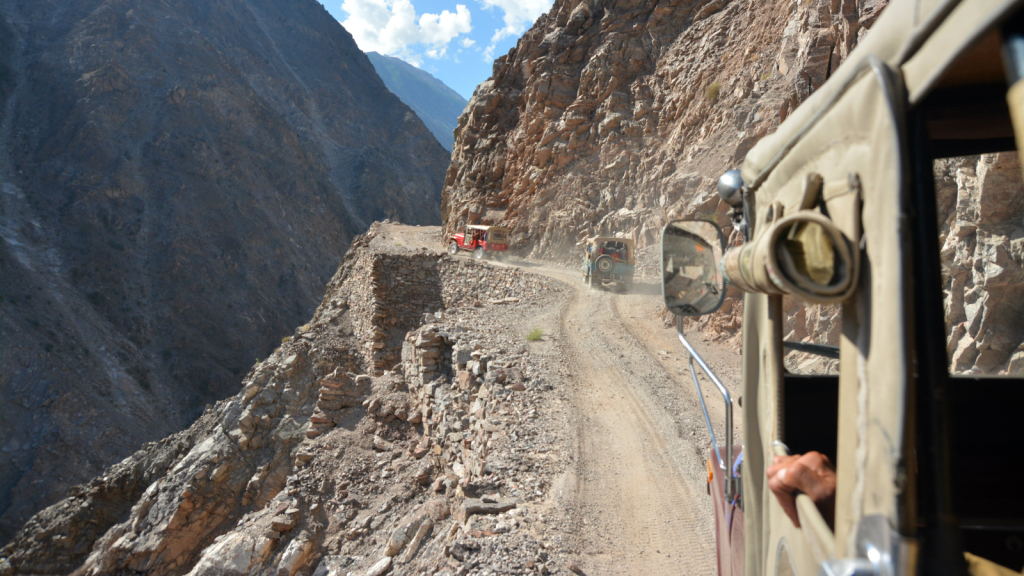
(482, 241)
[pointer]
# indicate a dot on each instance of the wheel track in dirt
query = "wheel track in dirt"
(640, 499)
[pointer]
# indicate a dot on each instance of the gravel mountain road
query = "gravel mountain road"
(636, 494)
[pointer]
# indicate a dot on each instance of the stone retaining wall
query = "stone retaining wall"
(387, 294)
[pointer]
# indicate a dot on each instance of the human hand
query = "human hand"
(812, 474)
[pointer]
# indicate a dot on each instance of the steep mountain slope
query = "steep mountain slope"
(179, 181)
(611, 116)
(324, 462)
(434, 102)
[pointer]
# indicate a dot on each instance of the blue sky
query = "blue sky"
(455, 41)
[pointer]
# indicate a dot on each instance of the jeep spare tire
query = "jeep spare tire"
(453, 248)
(604, 264)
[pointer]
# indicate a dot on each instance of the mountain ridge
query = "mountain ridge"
(433, 101)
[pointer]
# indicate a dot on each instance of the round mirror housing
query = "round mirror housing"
(692, 283)
(730, 188)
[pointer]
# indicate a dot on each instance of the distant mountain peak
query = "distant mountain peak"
(433, 101)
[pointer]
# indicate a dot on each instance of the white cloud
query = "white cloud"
(391, 27)
(518, 15)
(467, 42)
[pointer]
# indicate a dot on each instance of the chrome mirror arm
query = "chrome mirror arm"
(730, 482)
(707, 418)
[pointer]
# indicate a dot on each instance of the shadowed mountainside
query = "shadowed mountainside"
(179, 181)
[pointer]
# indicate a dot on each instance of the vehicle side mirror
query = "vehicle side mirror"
(691, 280)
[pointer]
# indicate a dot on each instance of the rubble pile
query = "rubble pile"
(488, 283)
(325, 463)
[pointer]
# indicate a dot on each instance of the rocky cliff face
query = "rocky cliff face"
(981, 208)
(611, 116)
(179, 181)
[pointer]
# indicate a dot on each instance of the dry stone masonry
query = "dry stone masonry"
(389, 292)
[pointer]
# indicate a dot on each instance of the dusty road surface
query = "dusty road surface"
(636, 494)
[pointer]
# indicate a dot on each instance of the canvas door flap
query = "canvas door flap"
(967, 22)
(843, 202)
(1015, 100)
(820, 540)
(857, 149)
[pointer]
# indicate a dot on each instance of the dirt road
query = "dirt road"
(636, 495)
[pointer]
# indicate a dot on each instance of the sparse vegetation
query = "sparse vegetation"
(766, 76)
(535, 335)
(711, 93)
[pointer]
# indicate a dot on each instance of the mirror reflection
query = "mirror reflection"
(691, 281)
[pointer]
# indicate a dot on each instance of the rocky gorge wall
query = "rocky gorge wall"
(613, 116)
(288, 475)
(178, 181)
(981, 212)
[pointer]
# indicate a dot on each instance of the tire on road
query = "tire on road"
(453, 248)
(478, 253)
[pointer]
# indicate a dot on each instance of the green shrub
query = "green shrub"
(711, 93)
(535, 334)
(766, 76)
